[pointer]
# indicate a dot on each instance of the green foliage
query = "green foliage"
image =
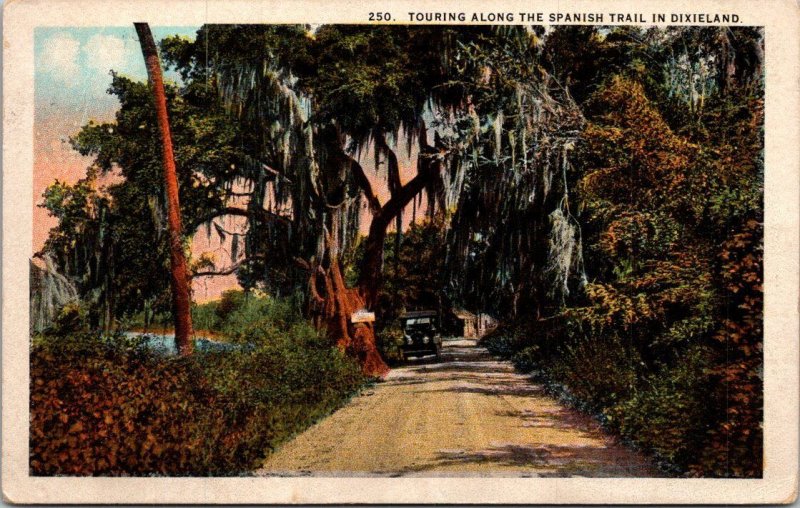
(665, 348)
(669, 414)
(111, 240)
(664, 409)
(237, 311)
(413, 275)
(106, 405)
(205, 316)
(73, 317)
(370, 73)
(566, 56)
(389, 340)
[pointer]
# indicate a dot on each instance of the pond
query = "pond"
(166, 343)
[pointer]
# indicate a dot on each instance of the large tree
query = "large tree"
(111, 239)
(317, 100)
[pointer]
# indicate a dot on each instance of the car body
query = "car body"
(421, 334)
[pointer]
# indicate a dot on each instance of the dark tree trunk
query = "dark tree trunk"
(181, 299)
(370, 273)
(370, 277)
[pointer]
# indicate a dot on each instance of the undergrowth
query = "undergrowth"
(110, 405)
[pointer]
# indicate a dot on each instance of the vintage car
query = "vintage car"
(421, 334)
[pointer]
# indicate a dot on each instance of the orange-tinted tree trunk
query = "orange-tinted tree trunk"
(181, 300)
(339, 301)
(335, 309)
(333, 304)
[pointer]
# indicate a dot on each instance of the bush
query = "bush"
(205, 316)
(237, 310)
(669, 414)
(672, 409)
(389, 340)
(503, 342)
(111, 406)
(601, 371)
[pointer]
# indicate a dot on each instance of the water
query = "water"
(166, 343)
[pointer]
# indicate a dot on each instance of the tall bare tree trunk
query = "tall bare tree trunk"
(181, 300)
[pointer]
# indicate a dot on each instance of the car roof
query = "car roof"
(418, 314)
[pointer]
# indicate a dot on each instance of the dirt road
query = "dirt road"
(469, 415)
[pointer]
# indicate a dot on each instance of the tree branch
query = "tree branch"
(401, 198)
(226, 271)
(423, 136)
(363, 182)
(229, 270)
(302, 263)
(275, 172)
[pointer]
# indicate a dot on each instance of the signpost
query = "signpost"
(362, 316)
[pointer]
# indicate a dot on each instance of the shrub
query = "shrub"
(502, 341)
(669, 415)
(389, 340)
(237, 310)
(104, 405)
(111, 406)
(677, 409)
(262, 311)
(230, 300)
(205, 316)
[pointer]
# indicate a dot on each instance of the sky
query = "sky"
(72, 74)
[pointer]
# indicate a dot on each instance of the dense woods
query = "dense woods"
(598, 190)
(663, 345)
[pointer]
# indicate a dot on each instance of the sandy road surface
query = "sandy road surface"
(469, 415)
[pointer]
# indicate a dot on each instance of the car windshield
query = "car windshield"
(418, 321)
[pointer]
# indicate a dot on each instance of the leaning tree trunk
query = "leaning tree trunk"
(334, 303)
(181, 300)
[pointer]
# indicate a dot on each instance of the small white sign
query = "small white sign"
(362, 316)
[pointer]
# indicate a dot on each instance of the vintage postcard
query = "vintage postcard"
(400, 252)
